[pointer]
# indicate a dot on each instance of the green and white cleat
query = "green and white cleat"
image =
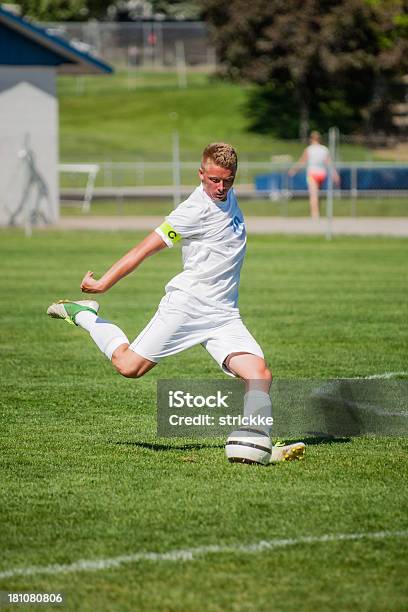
(68, 310)
(287, 452)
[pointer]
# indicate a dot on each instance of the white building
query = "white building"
(30, 59)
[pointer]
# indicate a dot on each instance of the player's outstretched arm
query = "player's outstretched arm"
(301, 162)
(129, 262)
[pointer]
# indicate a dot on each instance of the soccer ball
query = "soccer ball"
(248, 446)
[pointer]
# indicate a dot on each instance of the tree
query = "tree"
(131, 10)
(81, 10)
(64, 10)
(177, 9)
(344, 56)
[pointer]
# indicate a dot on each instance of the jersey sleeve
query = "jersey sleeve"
(183, 222)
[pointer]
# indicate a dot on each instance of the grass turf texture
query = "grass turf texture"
(120, 119)
(83, 476)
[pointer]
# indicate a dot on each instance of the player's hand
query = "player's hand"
(90, 285)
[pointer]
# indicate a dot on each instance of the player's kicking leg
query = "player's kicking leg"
(109, 338)
(258, 378)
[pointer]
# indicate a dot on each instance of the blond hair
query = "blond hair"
(221, 154)
(315, 135)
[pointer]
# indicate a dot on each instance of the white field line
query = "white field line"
(366, 407)
(190, 554)
(362, 406)
(325, 392)
(385, 375)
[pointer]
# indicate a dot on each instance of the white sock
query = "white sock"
(106, 335)
(258, 404)
(85, 319)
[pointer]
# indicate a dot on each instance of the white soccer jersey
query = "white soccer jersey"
(317, 156)
(213, 247)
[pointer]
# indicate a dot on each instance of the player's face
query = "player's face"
(216, 180)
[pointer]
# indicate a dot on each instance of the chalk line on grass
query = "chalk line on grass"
(190, 554)
(385, 375)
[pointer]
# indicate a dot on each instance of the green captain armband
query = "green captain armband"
(169, 235)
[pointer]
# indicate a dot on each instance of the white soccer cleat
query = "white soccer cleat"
(67, 309)
(288, 452)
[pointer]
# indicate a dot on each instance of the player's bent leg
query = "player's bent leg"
(129, 364)
(257, 376)
(252, 369)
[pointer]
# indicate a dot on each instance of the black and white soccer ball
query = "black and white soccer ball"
(248, 446)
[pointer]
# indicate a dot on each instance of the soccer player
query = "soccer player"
(200, 305)
(317, 159)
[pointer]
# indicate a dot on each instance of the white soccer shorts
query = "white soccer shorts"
(182, 321)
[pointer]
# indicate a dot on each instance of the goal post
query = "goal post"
(333, 142)
(90, 171)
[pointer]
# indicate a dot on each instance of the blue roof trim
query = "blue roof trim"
(55, 50)
(18, 50)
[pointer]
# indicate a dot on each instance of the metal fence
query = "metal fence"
(262, 179)
(367, 189)
(357, 179)
(142, 44)
(139, 174)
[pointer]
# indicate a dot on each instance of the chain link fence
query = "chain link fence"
(143, 43)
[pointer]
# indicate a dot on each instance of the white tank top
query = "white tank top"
(317, 157)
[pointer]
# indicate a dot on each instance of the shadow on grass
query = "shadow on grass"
(171, 447)
(313, 440)
(316, 439)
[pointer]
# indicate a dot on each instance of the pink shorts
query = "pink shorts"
(317, 175)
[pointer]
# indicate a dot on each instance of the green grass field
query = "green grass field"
(84, 476)
(121, 118)
(130, 118)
